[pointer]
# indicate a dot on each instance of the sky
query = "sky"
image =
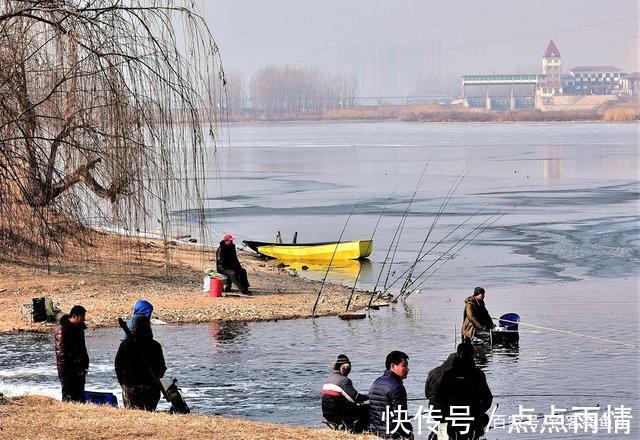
(431, 37)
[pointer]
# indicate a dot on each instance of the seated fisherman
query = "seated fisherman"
(341, 403)
(227, 263)
(476, 319)
(463, 387)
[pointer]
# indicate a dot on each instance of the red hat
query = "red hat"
(227, 237)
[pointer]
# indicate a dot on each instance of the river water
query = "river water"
(565, 257)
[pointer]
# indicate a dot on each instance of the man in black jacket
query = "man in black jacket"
(134, 359)
(227, 263)
(341, 403)
(388, 410)
(72, 359)
(464, 385)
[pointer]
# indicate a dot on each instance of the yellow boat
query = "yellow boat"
(348, 250)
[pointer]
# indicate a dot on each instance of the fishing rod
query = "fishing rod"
(446, 253)
(439, 242)
(315, 306)
(456, 184)
(449, 257)
(386, 257)
(403, 223)
(569, 333)
(369, 248)
(481, 228)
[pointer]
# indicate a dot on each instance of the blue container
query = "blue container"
(510, 321)
(98, 398)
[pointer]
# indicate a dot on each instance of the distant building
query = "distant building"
(552, 70)
(551, 87)
(596, 80)
(630, 84)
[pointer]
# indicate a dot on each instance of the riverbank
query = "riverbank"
(46, 418)
(108, 273)
(623, 111)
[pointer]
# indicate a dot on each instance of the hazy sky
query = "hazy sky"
(474, 36)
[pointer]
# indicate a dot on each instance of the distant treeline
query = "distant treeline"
(282, 90)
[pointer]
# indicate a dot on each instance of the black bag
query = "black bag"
(39, 312)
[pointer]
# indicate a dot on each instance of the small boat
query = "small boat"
(347, 250)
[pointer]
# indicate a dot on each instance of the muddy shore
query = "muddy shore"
(114, 271)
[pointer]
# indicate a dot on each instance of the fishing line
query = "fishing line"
(570, 333)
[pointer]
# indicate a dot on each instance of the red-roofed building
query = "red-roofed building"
(551, 51)
(551, 83)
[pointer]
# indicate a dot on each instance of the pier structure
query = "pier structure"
(488, 81)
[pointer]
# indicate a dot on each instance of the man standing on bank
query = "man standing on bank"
(227, 263)
(135, 357)
(72, 359)
(388, 410)
(476, 320)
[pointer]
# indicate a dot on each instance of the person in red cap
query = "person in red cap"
(227, 263)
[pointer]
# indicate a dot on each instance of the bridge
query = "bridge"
(501, 80)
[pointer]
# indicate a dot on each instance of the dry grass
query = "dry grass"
(480, 115)
(621, 114)
(46, 418)
(109, 273)
(437, 113)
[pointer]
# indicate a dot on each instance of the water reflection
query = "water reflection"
(345, 271)
(223, 332)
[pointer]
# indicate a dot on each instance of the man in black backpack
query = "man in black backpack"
(135, 357)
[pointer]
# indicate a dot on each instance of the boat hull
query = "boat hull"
(348, 250)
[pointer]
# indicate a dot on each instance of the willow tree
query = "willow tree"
(104, 113)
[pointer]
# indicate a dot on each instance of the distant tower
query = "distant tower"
(551, 68)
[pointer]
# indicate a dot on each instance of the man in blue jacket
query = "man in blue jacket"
(388, 410)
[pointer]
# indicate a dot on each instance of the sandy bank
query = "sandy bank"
(113, 272)
(45, 418)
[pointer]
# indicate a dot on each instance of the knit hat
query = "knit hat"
(478, 290)
(228, 237)
(342, 359)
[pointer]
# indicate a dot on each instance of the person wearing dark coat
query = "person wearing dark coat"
(134, 359)
(476, 320)
(72, 359)
(389, 396)
(341, 403)
(227, 263)
(464, 385)
(434, 378)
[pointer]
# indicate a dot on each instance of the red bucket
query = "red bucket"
(215, 287)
